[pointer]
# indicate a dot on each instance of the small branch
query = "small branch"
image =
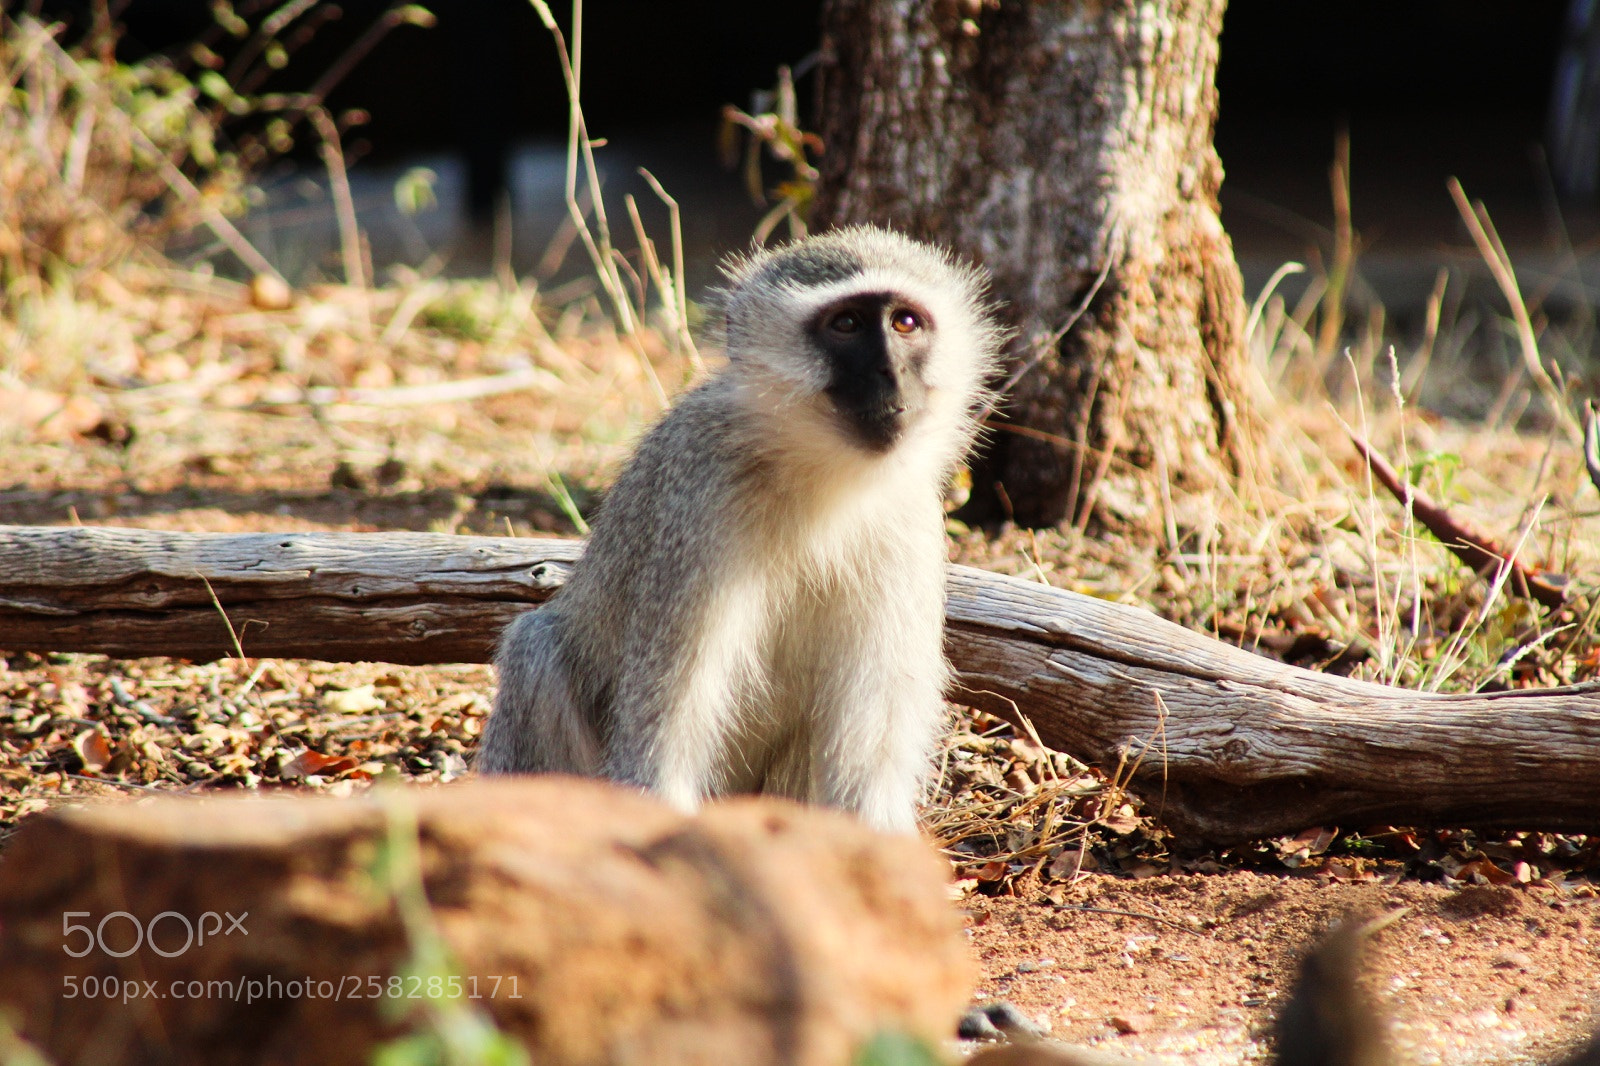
(399, 15)
(1466, 542)
(264, 35)
(439, 392)
(1133, 914)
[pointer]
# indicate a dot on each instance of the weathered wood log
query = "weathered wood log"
(338, 597)
(592, 924)
(1230, 745)
(1225, 744)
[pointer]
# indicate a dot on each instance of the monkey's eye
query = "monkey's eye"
(904, 321)
(845, 322)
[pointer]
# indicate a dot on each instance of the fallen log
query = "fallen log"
(592, 924)
(340, 597)
(1222, 743)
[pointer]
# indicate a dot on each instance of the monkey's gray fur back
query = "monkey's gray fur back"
(760, 606)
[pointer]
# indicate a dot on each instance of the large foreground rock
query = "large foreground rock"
(593, 924)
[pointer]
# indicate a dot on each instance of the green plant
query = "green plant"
(892, 1048)
(14, 1051)
(1436, 472)
(447, 1029)
(775, 129)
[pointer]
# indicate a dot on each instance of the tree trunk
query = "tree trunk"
(1573, 134)
(1066, 145)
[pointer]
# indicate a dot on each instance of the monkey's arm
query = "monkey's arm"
(663, 608)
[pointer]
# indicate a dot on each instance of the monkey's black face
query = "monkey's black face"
(876, 346)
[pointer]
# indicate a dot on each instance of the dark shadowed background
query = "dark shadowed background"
(1425, 90)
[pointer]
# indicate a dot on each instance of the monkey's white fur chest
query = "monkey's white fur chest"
(857, 550)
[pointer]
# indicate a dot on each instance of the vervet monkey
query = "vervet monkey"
(760, 607)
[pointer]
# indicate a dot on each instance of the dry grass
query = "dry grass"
(1307, 558)
(95, 158)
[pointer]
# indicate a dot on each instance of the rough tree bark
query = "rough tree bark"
(1066, 145)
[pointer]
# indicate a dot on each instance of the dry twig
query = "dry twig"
(1468, 543)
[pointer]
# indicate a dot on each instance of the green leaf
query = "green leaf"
(891, 1048)
(413, 192)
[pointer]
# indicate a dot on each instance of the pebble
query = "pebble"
(996, 1021)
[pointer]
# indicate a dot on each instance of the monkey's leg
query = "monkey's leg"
(537, 725)
(674, 749)
(677, 708)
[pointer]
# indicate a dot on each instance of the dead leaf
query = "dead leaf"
(94, 748)
(1345, 870)
(1404, 838)
(1017, 777)
(71, 695)
(359, 700)
(309, 763)
(1027, 752)
(1487, 871)
(1069, 862)
(1121, 821)
(1313, 841)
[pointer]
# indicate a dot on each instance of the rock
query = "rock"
(270, 293)
(1512, 960)
(591, 923)
(975, 1025)
(996, 1021)
(1012, 1022)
